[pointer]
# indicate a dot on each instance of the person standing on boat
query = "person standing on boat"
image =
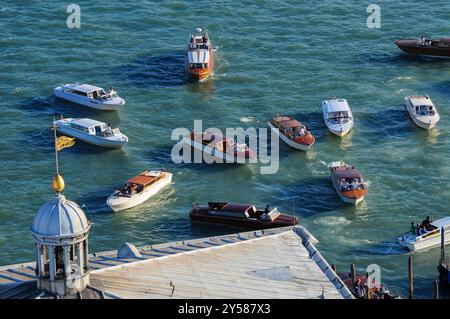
(414, 228)
(267, 209)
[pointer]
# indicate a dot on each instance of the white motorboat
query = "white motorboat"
(138, 189)
(422, 111)
(338, 116)
(292, 132)
(222, 149)
(428, 238)
(90, 96)
(91, 131)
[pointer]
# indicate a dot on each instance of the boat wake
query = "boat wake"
(332, 221)
(400, 78)
(247, 119)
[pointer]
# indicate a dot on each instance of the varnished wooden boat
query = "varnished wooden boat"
(292, 132)
(241, 215)
(199, 56)
(426, 47)
(348, 182)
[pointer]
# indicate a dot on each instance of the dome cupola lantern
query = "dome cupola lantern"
(60, 231)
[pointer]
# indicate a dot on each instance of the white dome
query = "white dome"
(60, 217)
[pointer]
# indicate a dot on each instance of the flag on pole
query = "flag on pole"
(63, 142)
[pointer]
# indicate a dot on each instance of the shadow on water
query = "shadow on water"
(96, 203)
(160, 70)
(399, 59)
(394, 122)
(55, 107)
(381, 248)
(313, 122)
(310, 196)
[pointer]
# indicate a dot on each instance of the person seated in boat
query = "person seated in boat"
(426, 222)
(302, 131)
(414, 229)
(345, 185)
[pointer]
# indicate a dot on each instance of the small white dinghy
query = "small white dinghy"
(338, 116)
(422, 111)
(91, 131)
(138, 189)
(427, 237)
(90, 96)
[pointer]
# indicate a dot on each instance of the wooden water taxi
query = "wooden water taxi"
(426, 47)
(221, 148)
(422, 111)
(241, 215)
(138, 189)
(348, 182)
(199, 55)
(292, 132)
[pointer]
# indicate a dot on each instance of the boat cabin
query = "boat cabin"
(90, 91)
(243, 211)
(422, 106)
(93, 127)
(290, 126)
(199, 59)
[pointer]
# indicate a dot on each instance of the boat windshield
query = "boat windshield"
(338, 117)
(424, 110)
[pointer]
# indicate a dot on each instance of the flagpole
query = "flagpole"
(56, 150)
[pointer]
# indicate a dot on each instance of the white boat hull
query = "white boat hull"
(92, 103)
(298, 146)
(221, 157)
(119, 203)
(91, 139)
(427, 125)
(426, 243)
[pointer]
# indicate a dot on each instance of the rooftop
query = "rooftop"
(275, 263)
(86, 88)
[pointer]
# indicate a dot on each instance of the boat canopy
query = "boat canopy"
(344, 173)
(339, 105)
(289, 124)
(443, 222)
(141, 180)
(198, 56)
(86, 123)
(85, 88)
(420, 100)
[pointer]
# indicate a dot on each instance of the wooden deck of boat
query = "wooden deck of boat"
(276, 263)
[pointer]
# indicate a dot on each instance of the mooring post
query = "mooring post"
(442, 246)
(353, 274)
(410, 277)
(367, 286)
(436, 289)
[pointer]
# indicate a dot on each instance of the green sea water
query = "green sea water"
(272, 57)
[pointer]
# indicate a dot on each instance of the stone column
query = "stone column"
(52, 266)
(39, 263)
(67, 267)
(80, 248)
(86, 253)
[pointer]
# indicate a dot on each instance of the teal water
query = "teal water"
(272, 57)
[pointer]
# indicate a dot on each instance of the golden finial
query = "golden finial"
(58, 183)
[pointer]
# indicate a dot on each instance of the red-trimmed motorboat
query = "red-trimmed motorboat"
(292, 132)
(426, 47)
(241, 215)
(199, 55)
(220, 147)
(348, 182)
(360, 283)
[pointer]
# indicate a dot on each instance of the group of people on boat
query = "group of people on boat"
(351, 184)
(360, 290)
(296, 131)
(423, 228)
(129, 189)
